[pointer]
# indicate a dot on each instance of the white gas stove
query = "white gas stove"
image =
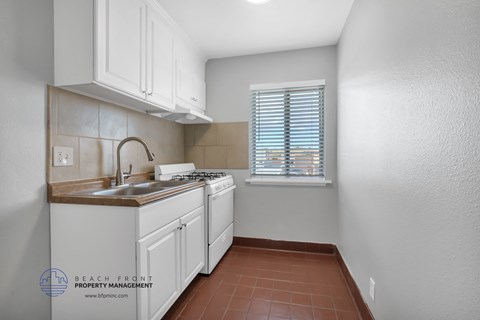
(219, 194)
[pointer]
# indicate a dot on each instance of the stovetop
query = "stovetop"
(215, 181)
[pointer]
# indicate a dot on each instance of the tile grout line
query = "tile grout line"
(228, 274)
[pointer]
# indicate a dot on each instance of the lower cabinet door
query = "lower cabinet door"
(193, 244)
(159, 260)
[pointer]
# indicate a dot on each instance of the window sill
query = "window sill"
(284, 181)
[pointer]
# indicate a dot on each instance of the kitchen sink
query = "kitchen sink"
(159, 184)
(136, 189)
(127, 191)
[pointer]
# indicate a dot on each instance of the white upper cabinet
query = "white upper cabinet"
(184, 85)
(199, 92)
(125, 52)
(190, 88)
(160, 59)
(120, 45)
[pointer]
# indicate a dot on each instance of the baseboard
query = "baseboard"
(352, 285)
(325, 248)
(285, 245)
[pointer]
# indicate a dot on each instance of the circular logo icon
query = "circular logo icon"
(53, 282)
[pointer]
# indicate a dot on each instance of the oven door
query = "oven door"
(220, 213)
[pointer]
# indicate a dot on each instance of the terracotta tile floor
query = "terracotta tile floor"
(259, 284)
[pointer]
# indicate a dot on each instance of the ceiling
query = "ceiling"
(226, 28)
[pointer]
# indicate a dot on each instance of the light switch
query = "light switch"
(62, 156)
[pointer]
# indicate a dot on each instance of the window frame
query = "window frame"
(289, 179)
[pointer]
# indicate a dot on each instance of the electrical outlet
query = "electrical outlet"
(372, 289)
(62, 156)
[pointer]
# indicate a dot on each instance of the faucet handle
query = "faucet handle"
(129, 173)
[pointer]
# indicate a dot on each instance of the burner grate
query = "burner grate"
(199, 176)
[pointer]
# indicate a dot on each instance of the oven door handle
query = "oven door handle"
(221, 193)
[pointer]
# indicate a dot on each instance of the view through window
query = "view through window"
(287, 130)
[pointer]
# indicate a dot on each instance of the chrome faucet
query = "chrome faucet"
(121, 176)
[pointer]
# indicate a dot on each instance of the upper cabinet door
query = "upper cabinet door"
(199, 93)
(160, 59)
(120, 61)
(190, 88)
(184, 84)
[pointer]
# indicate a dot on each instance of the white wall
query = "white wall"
(26, 65)
(409, 156)
(282, 213)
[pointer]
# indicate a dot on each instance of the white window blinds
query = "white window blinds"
(287, 131)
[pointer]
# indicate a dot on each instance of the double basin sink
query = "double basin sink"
(137, 189)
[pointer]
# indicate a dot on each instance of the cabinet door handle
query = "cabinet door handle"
(182, 226)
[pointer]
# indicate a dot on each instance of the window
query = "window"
(287, 130)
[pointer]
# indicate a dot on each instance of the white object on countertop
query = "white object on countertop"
(172, 169)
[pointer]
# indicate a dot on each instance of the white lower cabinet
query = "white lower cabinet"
(178, 243)
(193, 251)
(153, 253)
(102, 248)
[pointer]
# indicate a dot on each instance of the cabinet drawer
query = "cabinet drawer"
(157, 214)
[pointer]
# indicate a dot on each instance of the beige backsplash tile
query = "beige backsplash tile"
(77, 115)
(167, 132)
(155, 129)
(94, 129)
(96, 158)
(215, 157)
(172, 154)
(225, 145)
(137, 124)
(195, 154)
(178, 135)
(177, 154)
(227, 134)
(242, 135)
(112, 122)
(189, 135)
(205, 135)
(237, 157)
